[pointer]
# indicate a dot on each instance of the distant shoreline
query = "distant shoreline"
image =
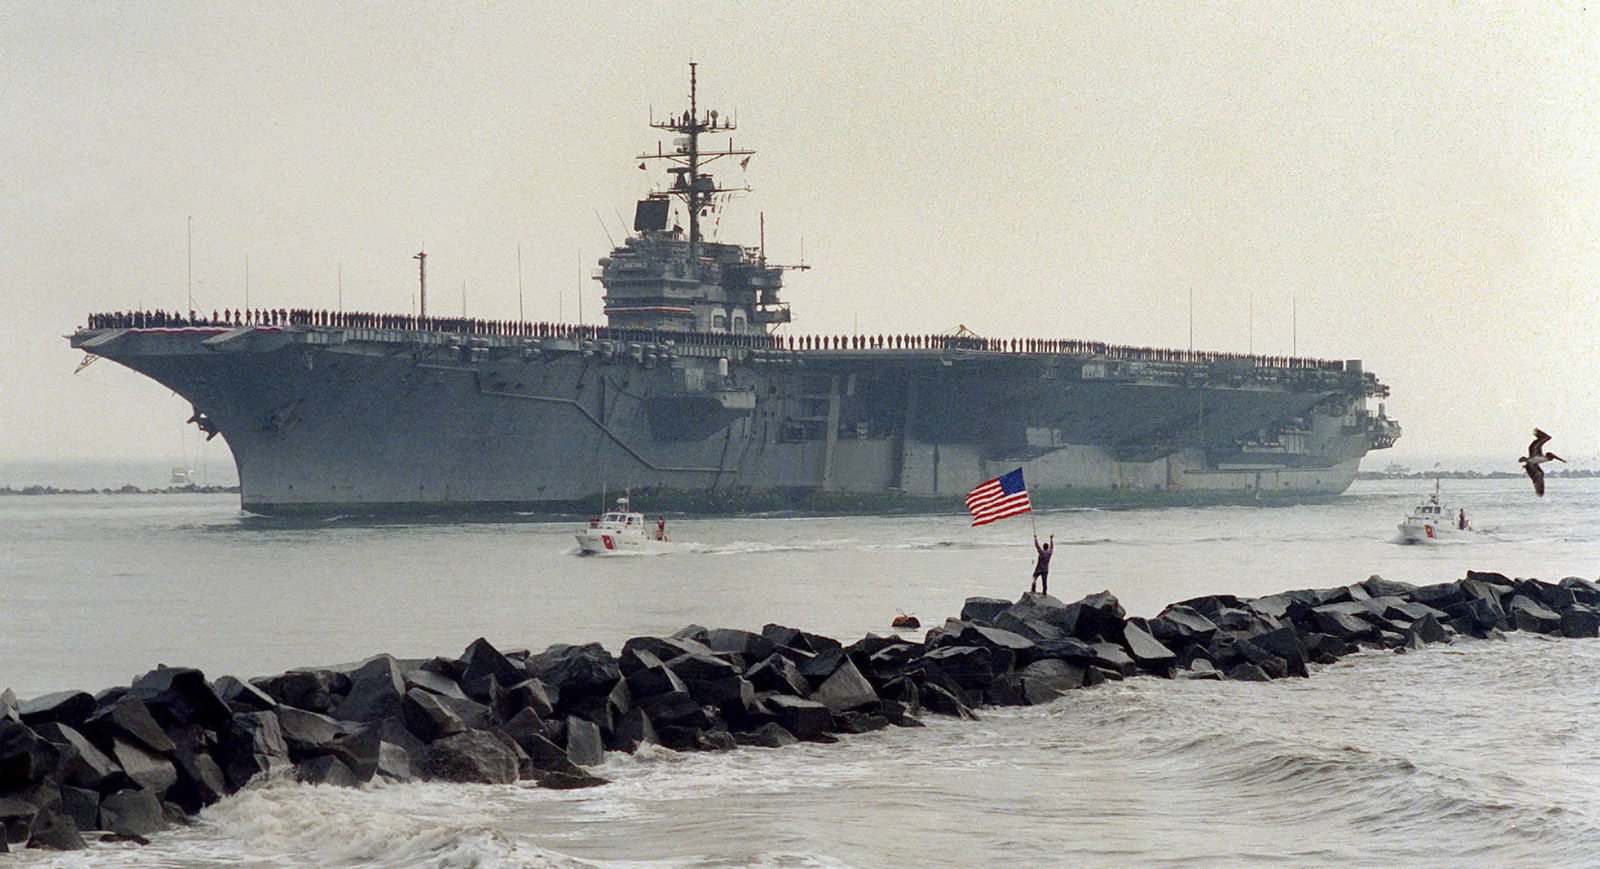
(1579, 473)
(126, 489)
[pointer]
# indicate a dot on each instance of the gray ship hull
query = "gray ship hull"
(335, 420)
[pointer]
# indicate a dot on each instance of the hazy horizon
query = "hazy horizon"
(1413, 185)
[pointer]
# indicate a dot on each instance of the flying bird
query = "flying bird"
(1537, 456)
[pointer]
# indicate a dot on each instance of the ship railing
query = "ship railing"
(1158, 360)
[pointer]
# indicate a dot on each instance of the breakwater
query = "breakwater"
(134, 759)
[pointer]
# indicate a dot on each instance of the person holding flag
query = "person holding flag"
(1041, 568)
(1007, 495)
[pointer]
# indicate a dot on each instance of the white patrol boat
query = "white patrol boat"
(620, 530)
(1432, 521)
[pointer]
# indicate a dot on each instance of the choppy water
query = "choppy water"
(1483, 752)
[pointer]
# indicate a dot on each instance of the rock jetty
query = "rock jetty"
(131, 761)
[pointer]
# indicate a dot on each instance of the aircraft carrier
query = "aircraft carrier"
(699, 395)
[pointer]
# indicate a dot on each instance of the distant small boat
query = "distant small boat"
(623, 531)
(1432, 521)
(182, 477)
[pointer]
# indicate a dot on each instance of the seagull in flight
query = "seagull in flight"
(1537, 456)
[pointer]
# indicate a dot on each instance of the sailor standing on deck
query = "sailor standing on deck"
(1041, 569)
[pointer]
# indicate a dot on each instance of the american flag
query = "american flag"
(1003, 496)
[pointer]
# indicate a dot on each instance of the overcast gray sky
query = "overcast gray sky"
(1414, 184)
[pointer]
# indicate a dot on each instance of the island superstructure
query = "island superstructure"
(701, 392)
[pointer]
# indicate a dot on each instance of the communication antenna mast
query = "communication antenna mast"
(422, 284)
(696, 190)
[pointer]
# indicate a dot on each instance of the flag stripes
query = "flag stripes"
(1005, 495)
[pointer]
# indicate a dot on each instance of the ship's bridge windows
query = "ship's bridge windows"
(739, 324)
(719, 322)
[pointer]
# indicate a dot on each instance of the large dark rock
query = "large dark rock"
(1182, 625)
(151, 771)
(376, 688)
(483, 659)
(572, 672)
(732, 695)
(1066, 649)
(326, 769)
(530, 694)
(54, 831)
(131, 719)
(201, 781)
(983, 609)
(1428, 629)
(312, 690)
(82, 805)
(1491, 588)
(1343, 620)
(1111, 656)
(1399, 610)
(749, 646)
(769, 735)
(132, 812)
(16, 819)
(1100, 617)
(1552, 596)
(475, 756)
(798, 640)
(383, 750)
(1033, 629)
(659, 648)
(1042, 608)
(181, 695)
(1045, 680)
(85, 764)
(1005, 648)
(21, 757)
(817, 668)
(1247, 672)
(308, 734)
(427, 717)
(1527, 614)
(806, 719)
(677, 709)
(1584, 591)
(653, 679)
(1146, 650)
(584, 744)
(633, 729)
(1440, 595)
(779, 674)
(1475, 616)
(846, 690)
(970, 667)
(1580, 620)
(248, 745)
(543, 755)
(243, 696)
(65, 707)
(938, 700)
(435, 682)
(701, 667)
(891, 659)
(1377, 586)
(1283, 644)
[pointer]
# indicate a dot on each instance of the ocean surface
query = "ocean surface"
(1483, 752)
